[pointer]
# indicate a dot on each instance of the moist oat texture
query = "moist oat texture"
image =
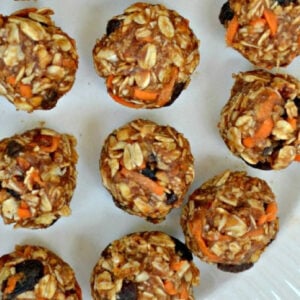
(38, 61)
(147, 56)
(147, 168)
(34, 272)
(37, 177)
(230, 220)
(145, 266)
(260, 123)
(266, 32)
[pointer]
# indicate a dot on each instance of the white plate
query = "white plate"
(89, 113)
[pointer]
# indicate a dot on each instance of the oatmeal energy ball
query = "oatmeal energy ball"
(37, 177)
(230, 220)
(38, 61)
(261, 123)
(267, 33)
(145, 265)
(147, 56)
(147, 168)
(34, 272)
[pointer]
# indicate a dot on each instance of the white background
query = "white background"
(90, 115)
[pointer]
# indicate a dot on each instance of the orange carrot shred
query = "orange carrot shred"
(297, 157)
(177, 265)
(271, 19)
(25, 90)
(23, 163)
(144, 181)
(11, 283)
(169, 288)
(232, 29)
(54, 145)
(24, 211)
(293, 122)
(184, 294)
(11, 80)
(144, 95)
(196, 230)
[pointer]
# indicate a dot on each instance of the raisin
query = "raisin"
(266, 166)
(128, 291)
(32, 271)
(112, 26)
(286, 2)
(226, 13)
(13, 193)
(182, 250)
(297, 103)
(150, 173)
(235, 268)
(171, 198)
(14, 148)
(50, 99)
(178, 88)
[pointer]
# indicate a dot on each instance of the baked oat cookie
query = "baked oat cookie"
(147, 56)
(38, 61)
(34, 272)
(230, 220)
(37, 177)
(266, 32)
(147, 168)
(145, 265)
(261, 123)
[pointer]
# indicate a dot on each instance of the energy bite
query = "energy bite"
(145, 265)
(264, 32)
(147, 56)
(37, 177)
(34, 272)
(38, 61)
(260, 122)
(230, 220)
(147, 168)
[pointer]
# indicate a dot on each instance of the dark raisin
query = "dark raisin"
(182, 250)
(50, 99)
(128, 291)
(286, 2)
(112, 26)
(14, 148)
(235, 268)
(152, 158)
(266, 166)
(226, 13)
(297, 103)
(32, 271)
(171, 198)
(178, 88)
(150, 173)
(13, 193)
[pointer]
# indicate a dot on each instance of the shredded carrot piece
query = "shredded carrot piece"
(255, 232)
(263, 132)
(144, 95)
(25, 90)
(23, 163)
(169, 288)
(297, 157)
(11, 283)
(24, 211)
(144, 181)
(117, 98)
(196, 230)
(69, 63)
(293, 122)
(35, 176)
(167, 90)
(177, 265)
(271, 214)
(271, 19)
(53, 146)
(11, 80)
(232, 29)
(184, 294)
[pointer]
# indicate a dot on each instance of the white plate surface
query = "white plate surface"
(88, 113)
